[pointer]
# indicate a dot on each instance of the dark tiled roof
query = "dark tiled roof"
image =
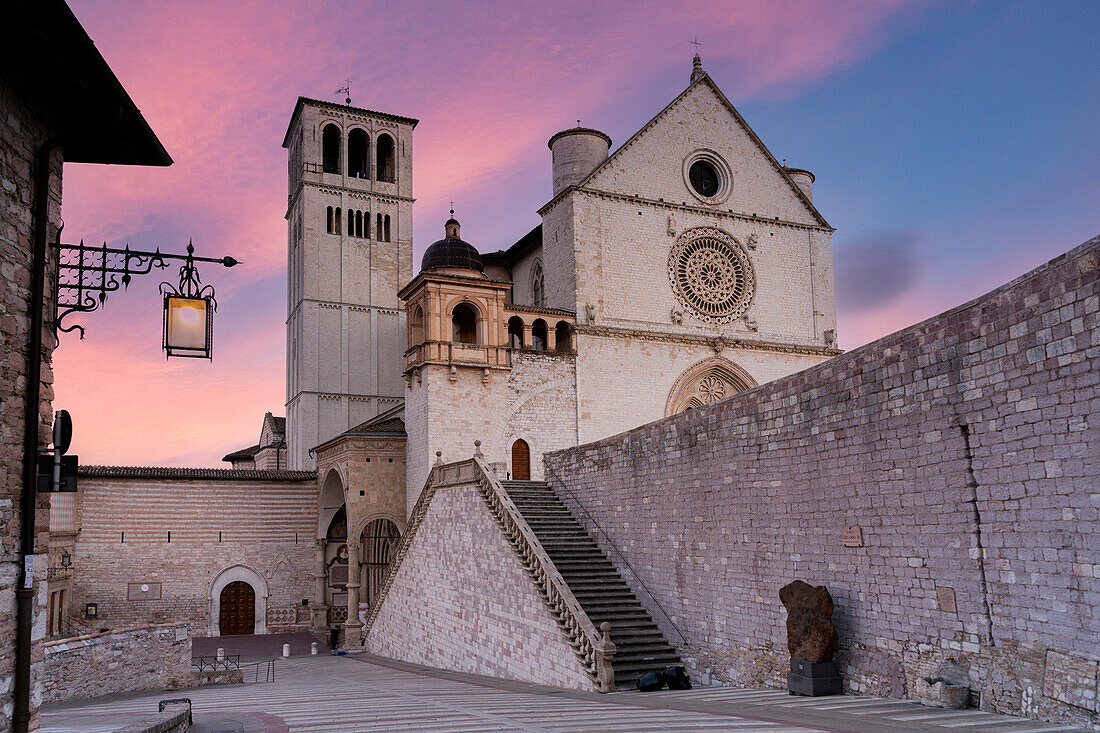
(449, 252)
(539, 309)
(242, 454)
(48, 55)
(390, 425)
(525, 244)
(226, 474)
(279, 425)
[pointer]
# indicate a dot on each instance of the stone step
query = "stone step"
(594, 581)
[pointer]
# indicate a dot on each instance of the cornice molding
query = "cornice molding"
(701, 210)
(711, 341)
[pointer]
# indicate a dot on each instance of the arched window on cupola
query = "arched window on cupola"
(378, 228)
(328, 226)
(515, 332)
(538, 288)
(464, 324)
(359, 223)
(384, 163)
(358, 160)
(330, 149)
(339, 222)
(538, 335)
(563, 337)
(351, 223)
(416, 327)
(366, 224)
(386, 224)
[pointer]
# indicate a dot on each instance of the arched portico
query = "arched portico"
(231, 574)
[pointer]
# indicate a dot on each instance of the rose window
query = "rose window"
(711, 389)
(711, 274)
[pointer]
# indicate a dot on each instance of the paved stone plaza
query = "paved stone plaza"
(362, 693)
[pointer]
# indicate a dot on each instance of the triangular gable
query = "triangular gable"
(594, 179)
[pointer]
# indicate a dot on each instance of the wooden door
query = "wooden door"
(521, 461)
(238, 609)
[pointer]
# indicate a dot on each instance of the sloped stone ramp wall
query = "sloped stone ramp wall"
(461, 600)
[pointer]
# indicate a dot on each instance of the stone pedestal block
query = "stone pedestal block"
(813, 679)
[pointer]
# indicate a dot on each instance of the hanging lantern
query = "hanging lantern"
(188, 326)
(189, 312)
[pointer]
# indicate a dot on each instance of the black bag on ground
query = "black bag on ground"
(650, 682)
(676, 678)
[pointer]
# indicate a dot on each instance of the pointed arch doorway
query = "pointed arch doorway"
(521, 461)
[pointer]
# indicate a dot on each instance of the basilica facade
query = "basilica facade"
(685, 267)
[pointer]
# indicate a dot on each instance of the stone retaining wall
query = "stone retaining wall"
(941, 482)
(461, 600)
(174, 718)
(139, 658)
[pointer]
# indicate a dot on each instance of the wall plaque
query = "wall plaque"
(945, 599)
(143, 591)
(851, 536)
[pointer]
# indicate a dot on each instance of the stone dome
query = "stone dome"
(452, 252)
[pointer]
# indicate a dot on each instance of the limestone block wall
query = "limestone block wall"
(345, 324)
(152, 657)
(180, 535)
(625, 380)
(534, 401)
(651, 164)
(25, 126)
(622, 259)
(462, 601)
(372, 472)
(960, 455)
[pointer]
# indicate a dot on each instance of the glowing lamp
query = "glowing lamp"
(188, 326)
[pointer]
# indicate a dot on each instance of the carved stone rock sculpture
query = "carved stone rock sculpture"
(810, 632)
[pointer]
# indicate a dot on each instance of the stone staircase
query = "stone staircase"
(594, 581)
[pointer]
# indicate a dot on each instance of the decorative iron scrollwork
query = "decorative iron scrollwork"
(87, 275)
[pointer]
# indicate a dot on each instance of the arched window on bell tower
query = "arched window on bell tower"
(330, 149)
(384, 169)
(358, 159)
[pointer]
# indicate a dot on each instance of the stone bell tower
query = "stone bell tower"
(349, 250)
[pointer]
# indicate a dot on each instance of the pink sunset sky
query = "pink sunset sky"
(951, 144)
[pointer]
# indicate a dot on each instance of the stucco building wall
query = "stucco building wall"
(964, 451)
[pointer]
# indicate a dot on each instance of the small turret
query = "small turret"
(577, 152)
(803, 179)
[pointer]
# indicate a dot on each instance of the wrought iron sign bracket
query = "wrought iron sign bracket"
(87, 275)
